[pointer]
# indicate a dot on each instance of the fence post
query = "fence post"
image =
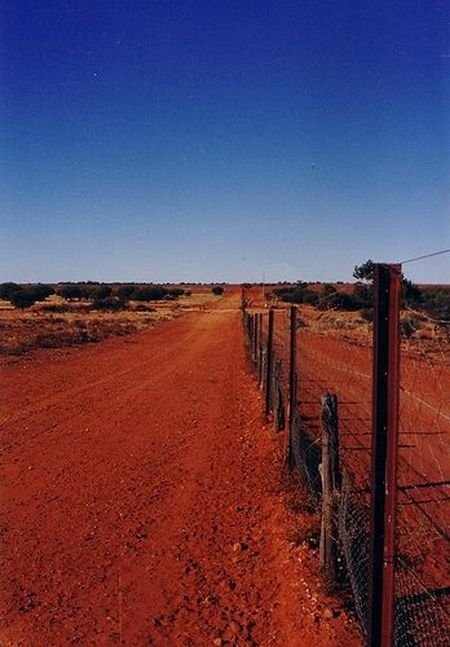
(331, 479)
(255, 336)
(385, 402)
(260, 350)
(278, 398)
(292, 384)
(269, 362)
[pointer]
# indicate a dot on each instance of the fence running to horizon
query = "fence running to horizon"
(314, 363)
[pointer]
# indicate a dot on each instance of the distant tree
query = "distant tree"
(23, 298)
(149, 293)
(7, 289)
(217, 290)
(176, 292)
(70, 291)
(411, 293)
(108, 303)
(124, 292)
(42, 291)
(364, 272)
(101, 292)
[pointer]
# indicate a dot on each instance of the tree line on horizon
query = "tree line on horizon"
(103, 296)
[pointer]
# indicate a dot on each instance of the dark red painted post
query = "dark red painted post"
(269, 362)
(292, 383)
(385, 419)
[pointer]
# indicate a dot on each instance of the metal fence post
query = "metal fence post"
(269, 363)
(385, 402)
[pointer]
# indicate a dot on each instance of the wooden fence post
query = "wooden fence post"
(279, 421)
(259, 364)
(290, 459)
(269, 363)
(331, 481)
(255, 336)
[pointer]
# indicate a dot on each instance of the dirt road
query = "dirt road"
(141, 503)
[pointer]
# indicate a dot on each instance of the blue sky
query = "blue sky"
(233, 140)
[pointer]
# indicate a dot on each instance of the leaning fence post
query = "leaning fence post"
(331, 479)
(292, 385)
(269, 362)
(385, 402)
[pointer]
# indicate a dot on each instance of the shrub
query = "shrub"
(176, 292)
(23, 298)
(8, 289)
(42, 291)
(108, 303)
(125, 291)
(409, 326)
(217, 290)
(149, 293)
(311, 298)
(341, 301)
(367, 314)
(328, 289)
(101, 292)
(71, 291)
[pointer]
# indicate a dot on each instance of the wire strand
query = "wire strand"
(419, 258)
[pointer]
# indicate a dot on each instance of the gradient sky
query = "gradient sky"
(223, 140)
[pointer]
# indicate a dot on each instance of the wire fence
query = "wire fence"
(321, 373)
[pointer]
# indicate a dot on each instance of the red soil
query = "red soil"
(141, 503)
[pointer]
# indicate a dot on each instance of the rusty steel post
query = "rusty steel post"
(385, 422)
(292, 383)
(269, 362)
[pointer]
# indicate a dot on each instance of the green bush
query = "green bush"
(70, 291)
(149, 293)
(101, 292)
(42, 291)
(124, 292)
(23, 298)
(217, 290)
(108, 303)
(176, 292)
(8, 289)
(409, 326)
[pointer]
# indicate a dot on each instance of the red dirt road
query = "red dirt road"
(141, 503)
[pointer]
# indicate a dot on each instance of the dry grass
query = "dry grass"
(23, 331)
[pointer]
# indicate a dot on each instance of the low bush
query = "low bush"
(149, 293)
(8, 289)
(109, 303)
(23, 298)
(70, 291)
(409, 326)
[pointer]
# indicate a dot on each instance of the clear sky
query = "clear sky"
(223, 139)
